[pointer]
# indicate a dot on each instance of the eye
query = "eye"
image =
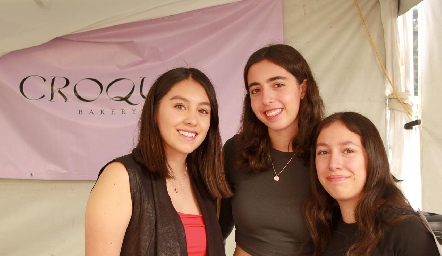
(321, 152)
(254, 90)
(179, 106)
(204, 111)
(349, 150)
(278, 85)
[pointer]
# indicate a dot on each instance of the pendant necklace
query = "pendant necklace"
(276, 178)
(182, 181)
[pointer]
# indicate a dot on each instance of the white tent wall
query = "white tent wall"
(331, 37)
(47, 217)
(430, 26)
(23, 25)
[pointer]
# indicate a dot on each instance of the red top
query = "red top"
(195, 233)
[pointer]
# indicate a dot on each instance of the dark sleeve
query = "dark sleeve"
(412, 238)
(225, 215)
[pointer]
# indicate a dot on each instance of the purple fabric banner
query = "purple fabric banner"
(72, 104)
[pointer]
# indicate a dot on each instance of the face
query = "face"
(275, 96)
(183, 118)
(341, 163)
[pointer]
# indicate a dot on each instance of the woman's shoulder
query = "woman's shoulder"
(114, 171)
(124, 169)
(128, 161)
(120, 161)
(230, 143)
(230, 148)
(230, 154)
(399, 220)
(410, 235)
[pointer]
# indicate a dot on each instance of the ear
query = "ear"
(303, 88)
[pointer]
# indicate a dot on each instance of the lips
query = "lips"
(337, 178)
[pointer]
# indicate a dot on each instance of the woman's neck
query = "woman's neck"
(281, 141)
(177, 165)
(348, 212)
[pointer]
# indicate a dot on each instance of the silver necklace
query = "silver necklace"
(182, 181)
(276, 178)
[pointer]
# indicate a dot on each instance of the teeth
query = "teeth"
(273, 112)
(187, 134)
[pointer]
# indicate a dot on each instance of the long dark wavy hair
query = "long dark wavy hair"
(253, 143)
(206, 161)
(381, 203)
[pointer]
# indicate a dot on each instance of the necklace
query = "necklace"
(182, 181)
(276, 178)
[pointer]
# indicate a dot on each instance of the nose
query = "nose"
(191, 118)
(268, 96)
(335, 161)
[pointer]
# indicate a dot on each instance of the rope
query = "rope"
(380, 61)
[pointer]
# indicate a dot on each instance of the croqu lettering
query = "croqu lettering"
(59, 85)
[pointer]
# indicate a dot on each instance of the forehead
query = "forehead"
(336, 133)
(266, 68)
(190, 89)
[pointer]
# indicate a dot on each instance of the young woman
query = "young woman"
(355, 207)
(161, 198)
(267, 162)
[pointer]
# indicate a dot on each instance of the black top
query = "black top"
(407, 238)
(267, 214)
(155, 227)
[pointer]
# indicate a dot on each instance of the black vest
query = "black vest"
(155, 227)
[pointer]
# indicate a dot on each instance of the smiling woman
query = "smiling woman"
(354, 207)
(341, 163)
(161, 199)
(267, 161)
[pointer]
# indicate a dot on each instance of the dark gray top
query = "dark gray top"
(267, 214)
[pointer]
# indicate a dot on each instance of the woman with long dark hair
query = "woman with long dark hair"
(266, 163)
(355, 207)
(161, 198)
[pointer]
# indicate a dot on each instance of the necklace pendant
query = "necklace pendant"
(276, 178)
(176, 190)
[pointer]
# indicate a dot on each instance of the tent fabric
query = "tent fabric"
(332, 38)
(409, 165)
(430, 24)
(397, 115)
(36, 22)
(26, 24)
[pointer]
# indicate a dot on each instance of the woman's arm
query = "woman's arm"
(108, 212)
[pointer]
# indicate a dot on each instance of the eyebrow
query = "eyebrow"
(271, 79)
(178, 97)
(344, 143)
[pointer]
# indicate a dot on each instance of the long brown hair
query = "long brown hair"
(253, 140)
(205, 161)
(381, 202)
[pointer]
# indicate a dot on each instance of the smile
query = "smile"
(336, 178)
(187, 134)
(273, 112)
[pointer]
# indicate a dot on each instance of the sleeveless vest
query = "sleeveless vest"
(155, 227)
